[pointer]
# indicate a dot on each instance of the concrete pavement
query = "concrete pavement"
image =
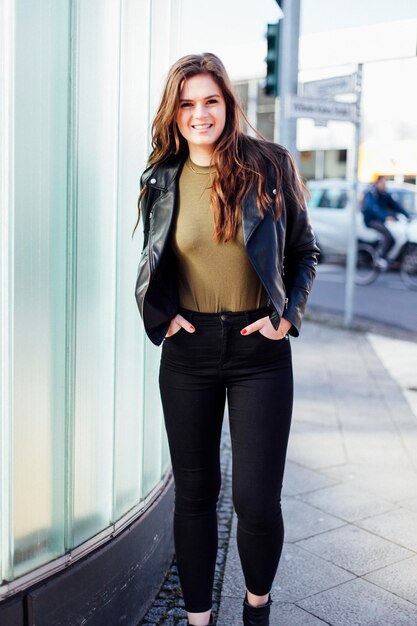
(350, 488)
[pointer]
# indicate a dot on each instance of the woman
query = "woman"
(228, 261)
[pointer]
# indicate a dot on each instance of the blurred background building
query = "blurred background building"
(389, 128)
(85, 489)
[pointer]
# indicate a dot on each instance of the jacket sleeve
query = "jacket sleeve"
(300, 253)
(144, 204)
(395, 206)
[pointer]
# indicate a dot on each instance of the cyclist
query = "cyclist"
(378, 206)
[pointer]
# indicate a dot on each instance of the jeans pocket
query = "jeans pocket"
(269, 340)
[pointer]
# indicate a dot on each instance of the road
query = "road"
(386, 301)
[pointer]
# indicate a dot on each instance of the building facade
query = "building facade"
(85, 484)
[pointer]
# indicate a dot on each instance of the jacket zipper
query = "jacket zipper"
(150, 244)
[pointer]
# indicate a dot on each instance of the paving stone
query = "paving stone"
(399, 358)
(230, 614)
(298, 479)
(386, 451)
(347, 502)
(292, 615)
(399, 578)
(302, 520)
(233, 529)
(354, 549)
(386, 483)
(301, 574)
(409, 503)
(359, 603)
(315, 445)
(312, 409)
(399, 526)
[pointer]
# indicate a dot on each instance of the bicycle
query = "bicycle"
(403, 256)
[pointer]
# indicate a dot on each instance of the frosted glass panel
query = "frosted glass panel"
(129, 333)
(98, 119)
(88, 440)
(153, 421)
(155, 450)
(41, 61)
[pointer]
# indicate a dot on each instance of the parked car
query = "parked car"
(329, 209)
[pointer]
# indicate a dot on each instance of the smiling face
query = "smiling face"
(201, 116)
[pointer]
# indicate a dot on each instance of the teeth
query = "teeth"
(201, 125)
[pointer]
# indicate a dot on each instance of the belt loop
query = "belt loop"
(247, 316)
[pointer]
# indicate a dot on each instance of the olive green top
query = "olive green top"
(212, 276)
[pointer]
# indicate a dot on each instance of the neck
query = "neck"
(200, 155)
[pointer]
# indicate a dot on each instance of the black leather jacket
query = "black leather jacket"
(283, 253)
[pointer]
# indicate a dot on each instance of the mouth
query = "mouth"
(201, 126)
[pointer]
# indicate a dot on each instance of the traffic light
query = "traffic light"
(272, 59)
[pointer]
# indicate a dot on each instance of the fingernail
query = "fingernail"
(243, 332)
(192, 328)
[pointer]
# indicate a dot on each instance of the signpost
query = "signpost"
(352, 242)
(318, 104)
(319, 109)
(330, 87)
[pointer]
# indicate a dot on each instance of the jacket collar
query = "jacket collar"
(165, 173)
(164, 177)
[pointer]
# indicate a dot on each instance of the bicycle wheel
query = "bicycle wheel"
(366, 268)
(408, 268)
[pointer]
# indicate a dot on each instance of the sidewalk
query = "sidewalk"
(350, 488)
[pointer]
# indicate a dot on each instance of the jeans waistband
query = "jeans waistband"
(225, 317)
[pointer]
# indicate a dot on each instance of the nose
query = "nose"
(200, 110)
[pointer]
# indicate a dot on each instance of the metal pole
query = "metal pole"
(352, 242)
(288, 60)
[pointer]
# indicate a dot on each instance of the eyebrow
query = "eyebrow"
(214, 95)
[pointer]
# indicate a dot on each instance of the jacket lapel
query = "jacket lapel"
(250, 216)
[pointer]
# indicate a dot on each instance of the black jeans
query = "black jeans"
(197, 371)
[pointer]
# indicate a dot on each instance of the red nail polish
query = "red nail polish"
(192, 328)
(243, 332)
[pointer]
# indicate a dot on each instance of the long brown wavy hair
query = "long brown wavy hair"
(241, 161)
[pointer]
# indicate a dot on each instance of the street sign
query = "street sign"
(320, 110)
(330, 87)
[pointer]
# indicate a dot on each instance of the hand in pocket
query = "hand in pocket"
(177, 323)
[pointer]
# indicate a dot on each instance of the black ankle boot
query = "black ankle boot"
(256, 615)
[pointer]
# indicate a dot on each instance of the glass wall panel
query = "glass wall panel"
(6, 273)
(88, 436)
(41, 65)
(155, 455)
(97, 114)
(129, 333)
(153, 430)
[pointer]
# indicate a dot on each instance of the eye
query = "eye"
(212, 101)
(185, 104)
